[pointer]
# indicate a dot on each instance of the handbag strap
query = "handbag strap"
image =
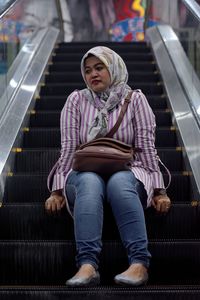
(121, 115)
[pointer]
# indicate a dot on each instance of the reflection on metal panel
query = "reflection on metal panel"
(5, 5)
(18, 70)
(15, 115)
(173, 67)
(184, 69)
(193, 7)
(21, 22)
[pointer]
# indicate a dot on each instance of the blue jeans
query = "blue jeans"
(86, 193)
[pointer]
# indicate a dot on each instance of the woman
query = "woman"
(90, 112)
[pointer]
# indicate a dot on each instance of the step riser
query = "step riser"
(75, 67)
(66, 89)
(33, 222)
(77, 77)
(33, 188)
(52, 263)
(52, 119)
(101, 293)
(57, 103)
(51, 138)
(42, 161)
(126, 56)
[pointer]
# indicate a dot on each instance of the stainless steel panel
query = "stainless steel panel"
(175, 70)
(193, 6)
(21, 23)
(17, 110)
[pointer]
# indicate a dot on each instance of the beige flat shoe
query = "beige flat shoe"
(137, 278)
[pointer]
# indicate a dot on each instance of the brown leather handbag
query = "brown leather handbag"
(105, 155)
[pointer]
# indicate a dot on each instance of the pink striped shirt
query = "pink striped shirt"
(137, 128)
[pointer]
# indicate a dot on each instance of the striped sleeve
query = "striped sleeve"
(69, 128)
(144, 128)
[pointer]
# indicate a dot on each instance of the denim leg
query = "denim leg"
(126, 195)
(86, 193)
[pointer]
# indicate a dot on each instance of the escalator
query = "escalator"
(37, 250)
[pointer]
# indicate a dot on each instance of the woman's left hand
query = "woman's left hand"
(161, 203)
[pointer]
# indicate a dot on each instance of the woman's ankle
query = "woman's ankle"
(86, 270)
(135, 269)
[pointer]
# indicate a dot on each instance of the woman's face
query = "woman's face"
(96, 74)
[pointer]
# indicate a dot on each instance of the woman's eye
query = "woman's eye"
(99, 68)
(87, 71)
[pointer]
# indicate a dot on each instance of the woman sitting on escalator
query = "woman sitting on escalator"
(89, 113)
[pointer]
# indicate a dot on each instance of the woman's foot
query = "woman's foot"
(135, 275)
(86, 276)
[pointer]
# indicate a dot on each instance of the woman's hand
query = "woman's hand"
(161, 203)
(55, 202)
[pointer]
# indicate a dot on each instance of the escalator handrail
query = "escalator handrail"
(194, 7)
(7, 7)
(173, 63)
(23, 98)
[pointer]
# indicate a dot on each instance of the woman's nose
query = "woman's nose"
(94, 73)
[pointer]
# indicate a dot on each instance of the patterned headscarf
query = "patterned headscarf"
(107, 100)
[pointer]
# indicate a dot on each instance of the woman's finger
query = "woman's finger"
(48, 204)
(165, 206)
(63, 203)
(53, 206)
(58, 203)
(158, 206)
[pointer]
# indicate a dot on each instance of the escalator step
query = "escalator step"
(66, 77)
(52, 119)
(42, 160)
(50, 262)
(163, 118)
(31, 221)
(75, 66)
(126, 56)
(172, 158)
(181, 222)
(50, 137)
(120, 47)
(179, 189)
(23, 188)
(66, 89)
(172, 292)
(36, 160)
(57, 102)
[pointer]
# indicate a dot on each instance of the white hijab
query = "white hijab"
(117, 91)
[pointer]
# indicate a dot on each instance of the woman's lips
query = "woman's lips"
(95, 82)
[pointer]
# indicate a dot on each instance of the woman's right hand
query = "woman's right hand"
(55, 202)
